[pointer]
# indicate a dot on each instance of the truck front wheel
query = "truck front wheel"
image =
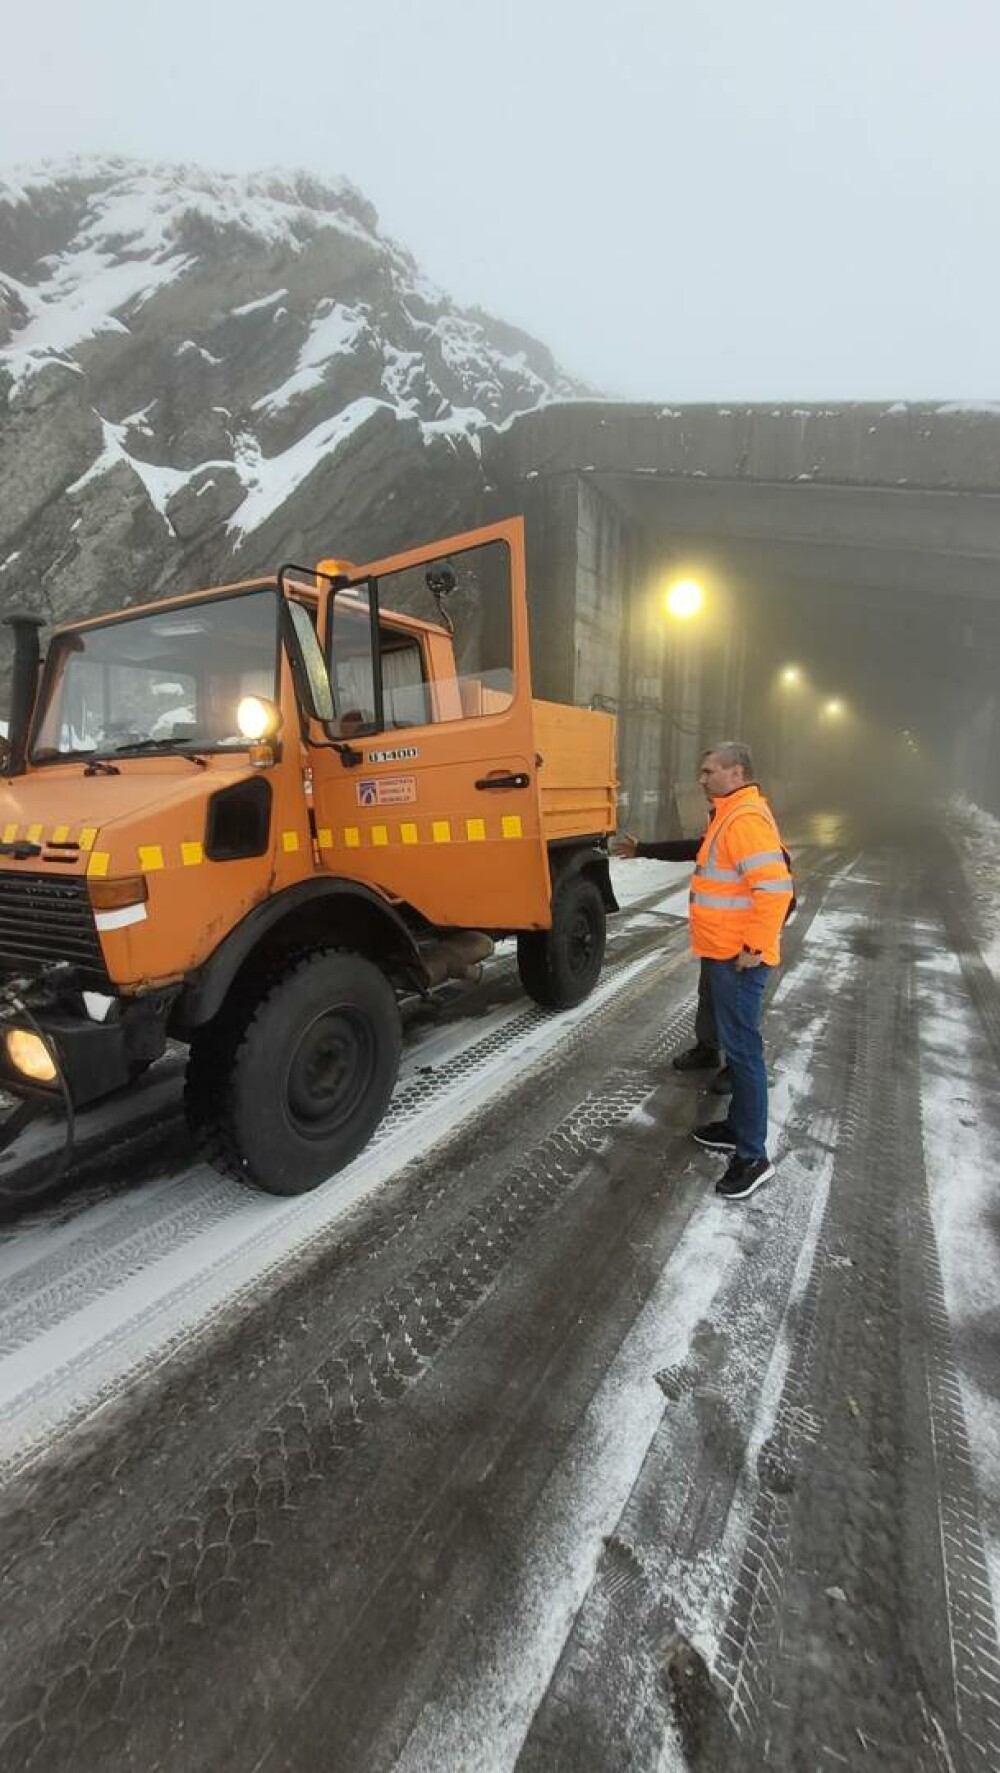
(560, 967)
(291, 1087)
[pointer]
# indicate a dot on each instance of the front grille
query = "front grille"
(43, 919)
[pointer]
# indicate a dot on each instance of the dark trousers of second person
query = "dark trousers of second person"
(737, 997)
(705, 1031)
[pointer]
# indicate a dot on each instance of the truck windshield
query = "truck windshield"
(167, 680)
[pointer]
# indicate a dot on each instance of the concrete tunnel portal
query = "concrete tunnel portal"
(859, 545)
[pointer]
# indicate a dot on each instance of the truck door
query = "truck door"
(433, 795)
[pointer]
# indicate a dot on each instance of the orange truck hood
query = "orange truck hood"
(60, 805)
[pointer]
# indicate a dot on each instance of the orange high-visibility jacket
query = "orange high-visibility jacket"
(741, 887)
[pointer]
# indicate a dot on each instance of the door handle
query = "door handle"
(518, 780)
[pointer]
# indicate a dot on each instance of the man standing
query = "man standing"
(741, 892)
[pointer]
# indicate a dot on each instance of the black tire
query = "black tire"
(289, 1086)
(560, 967)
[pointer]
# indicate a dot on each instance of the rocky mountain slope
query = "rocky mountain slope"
(204, 374)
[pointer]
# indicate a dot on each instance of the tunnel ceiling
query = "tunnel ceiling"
(920, 544)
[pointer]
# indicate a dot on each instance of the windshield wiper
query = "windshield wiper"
(161, 745)
(99, 766)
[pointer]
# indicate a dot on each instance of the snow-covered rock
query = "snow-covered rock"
(201, 374)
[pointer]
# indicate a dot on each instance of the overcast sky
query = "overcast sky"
(686, 199)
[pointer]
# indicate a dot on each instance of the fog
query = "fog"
(723, 202)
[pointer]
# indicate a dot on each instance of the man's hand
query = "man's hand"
(745, 959)
(625, 848)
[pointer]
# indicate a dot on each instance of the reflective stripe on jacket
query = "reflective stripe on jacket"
(741, 888)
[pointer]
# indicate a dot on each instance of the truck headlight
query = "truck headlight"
(29, 1055)
(257, 718)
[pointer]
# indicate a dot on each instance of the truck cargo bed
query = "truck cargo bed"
(576, 778)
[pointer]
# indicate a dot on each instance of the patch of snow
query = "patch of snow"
(642, 877)
(461, 420)
(270, 480)
(977, 837)
(160, 483)
(401, 367)
(122, 255)
(267, 301)
(190, 345)
(334, 334)
(957, 1081)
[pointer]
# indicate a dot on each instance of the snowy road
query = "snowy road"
(477, 1457)
(88, 1303)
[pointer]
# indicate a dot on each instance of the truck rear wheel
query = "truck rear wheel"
(560, 967)
(290, 1089)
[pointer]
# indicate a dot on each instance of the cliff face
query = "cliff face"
(203, 375)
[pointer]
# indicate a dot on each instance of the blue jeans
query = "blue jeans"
(737, 998)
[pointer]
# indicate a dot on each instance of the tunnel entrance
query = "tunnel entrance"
(849, 561)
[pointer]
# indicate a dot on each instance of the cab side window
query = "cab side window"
(456, 660)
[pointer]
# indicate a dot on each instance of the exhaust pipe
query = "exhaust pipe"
(24, 685)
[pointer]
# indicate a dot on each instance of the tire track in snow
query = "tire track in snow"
(136, 1298)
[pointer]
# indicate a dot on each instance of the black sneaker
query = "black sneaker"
(718, 1135)
(744, 1176)
(697, 1058)
(722, 1082)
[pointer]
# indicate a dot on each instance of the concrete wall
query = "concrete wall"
(945, 447)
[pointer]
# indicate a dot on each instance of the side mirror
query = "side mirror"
(312, 680)
(441, 582)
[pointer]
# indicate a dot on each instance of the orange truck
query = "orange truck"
(258, 818)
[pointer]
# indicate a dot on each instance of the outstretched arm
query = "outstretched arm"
(681, 849)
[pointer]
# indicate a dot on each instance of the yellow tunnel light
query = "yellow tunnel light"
(684, 599)
(30, 1056)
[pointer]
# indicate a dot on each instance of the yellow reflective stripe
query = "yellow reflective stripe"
(192, 854)
(409, 834)
(150, 857)
(380, 836)
(709, 871)
(441, 830)
(60, 834)
(10, 833)
(34, 833)
(745, 863)
(719, 902)
(325, 838)
(352, 837)
(88, 836)
(511, 824)
(290, 841)
(475, 830)
(99, 862)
